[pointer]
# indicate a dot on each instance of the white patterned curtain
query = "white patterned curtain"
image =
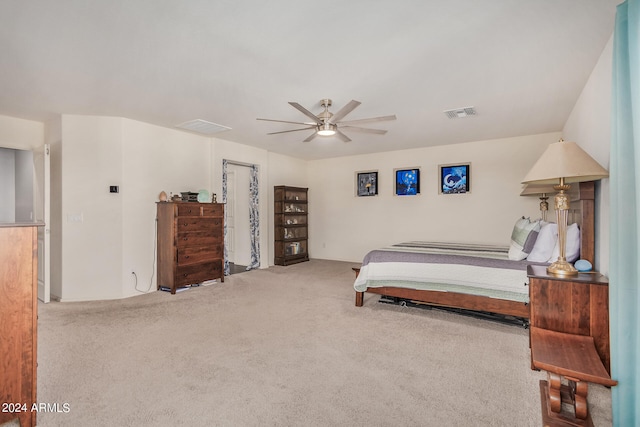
(254, 218)
(224, 200)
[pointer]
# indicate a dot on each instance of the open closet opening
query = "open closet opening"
(240, 193)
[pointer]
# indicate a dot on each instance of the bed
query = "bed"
(479, 278)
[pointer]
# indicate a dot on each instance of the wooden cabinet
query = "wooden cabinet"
(291, 226)
(190, 243)
(18, 322)
(573, 305)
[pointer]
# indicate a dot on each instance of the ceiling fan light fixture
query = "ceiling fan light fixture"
(327, 129)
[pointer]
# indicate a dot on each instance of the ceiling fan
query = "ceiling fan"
(329, 124)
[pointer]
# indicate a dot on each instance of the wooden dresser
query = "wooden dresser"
(190, 243)
(18, 321)
(574, 305)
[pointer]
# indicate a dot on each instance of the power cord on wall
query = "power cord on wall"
(153, 266)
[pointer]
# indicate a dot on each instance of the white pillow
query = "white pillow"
(572, 251)
(545, 243)
(523, 236)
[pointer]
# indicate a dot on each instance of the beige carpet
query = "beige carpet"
(283, 346)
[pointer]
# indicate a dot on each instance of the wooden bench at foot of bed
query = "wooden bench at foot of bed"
(450, 299)
(575, 358)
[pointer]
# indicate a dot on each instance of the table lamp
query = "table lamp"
(561, 164)
(542, 192)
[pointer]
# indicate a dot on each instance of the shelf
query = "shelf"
(291, 222)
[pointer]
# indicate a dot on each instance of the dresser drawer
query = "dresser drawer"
(199, 238)
(213, 210)
(194, 255)
(197, 273)
(198, 224)
(188, 209)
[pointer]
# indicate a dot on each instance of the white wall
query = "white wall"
(24, 186)
(53, 137)
(106, 236)
(285, 170)
(7, 185)
(18, 134)
(21, 134)
(91, 217)
(589, 125)
(154, 159)
(345, 227)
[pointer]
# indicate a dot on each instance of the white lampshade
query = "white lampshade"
(537, 189)
(565, 160)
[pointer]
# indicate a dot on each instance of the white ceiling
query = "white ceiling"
(521, 63)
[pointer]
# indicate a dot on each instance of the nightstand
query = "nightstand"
(574, 305)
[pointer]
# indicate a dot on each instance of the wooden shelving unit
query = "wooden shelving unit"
(291, 225)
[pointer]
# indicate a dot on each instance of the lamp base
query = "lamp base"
(562, 268)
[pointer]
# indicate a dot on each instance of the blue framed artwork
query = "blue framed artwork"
(407, 182)
(455, 178)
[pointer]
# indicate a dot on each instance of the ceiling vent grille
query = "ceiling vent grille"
(459, 113)
(202, 127)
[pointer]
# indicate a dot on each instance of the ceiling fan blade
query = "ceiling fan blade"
(284, 121)
(292, 130)
(364, 130)
(344, 111)
(306, 112)
(370, 120)
(310, 137)
(342, 136)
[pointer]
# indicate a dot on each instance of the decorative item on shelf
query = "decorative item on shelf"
(214, 198)
(583, 265)
(203, 196)
(564, 163)
(189, 196)
(162, 196)
(176, 198)
(542, 192)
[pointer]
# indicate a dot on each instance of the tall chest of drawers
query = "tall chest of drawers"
(190, 243)
(18, 322)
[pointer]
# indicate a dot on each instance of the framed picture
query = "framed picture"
(455, 178)
(367, 183)
(407, 181)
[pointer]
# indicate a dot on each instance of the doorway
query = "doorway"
(240, 193)
(238, 243)
(24, 190)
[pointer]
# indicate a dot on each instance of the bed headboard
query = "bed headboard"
(582, 211)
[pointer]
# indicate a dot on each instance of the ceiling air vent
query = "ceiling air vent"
(458, 113)
(202, 127)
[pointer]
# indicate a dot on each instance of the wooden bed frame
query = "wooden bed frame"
(582, 212)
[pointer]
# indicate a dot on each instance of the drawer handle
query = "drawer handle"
(185, 239)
